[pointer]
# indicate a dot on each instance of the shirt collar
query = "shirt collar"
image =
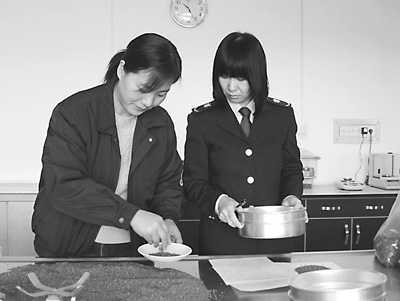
(236, 107)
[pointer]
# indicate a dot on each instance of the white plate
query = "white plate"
(180, 249)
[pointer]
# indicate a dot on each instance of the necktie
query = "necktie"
(245, 123)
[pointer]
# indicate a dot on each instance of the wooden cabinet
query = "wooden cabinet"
(189, 226)
(345, 222)
(20, 235)
(337, 220)
(16, 208)
(3, 227)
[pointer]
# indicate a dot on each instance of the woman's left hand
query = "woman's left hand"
(293, 201)
(173, 231)
(227, 209)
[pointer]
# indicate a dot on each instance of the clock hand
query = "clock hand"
(187, 8)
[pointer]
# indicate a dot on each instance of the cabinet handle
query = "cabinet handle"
(358, 232)
(347, 234)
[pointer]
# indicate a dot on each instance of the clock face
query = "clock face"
(188, 13)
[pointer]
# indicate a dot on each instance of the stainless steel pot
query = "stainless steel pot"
(265, 222)
(338, 285)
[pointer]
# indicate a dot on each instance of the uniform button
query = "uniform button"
(121, 220)
(150, 140)
(250, 180)
(248, 152)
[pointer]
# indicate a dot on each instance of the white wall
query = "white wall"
(331, 59)
(351, 70)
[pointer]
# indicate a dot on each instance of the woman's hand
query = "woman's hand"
(293, 201)
(173, 231)
(227, 208)
(152, 228)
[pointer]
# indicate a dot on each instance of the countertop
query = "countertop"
(315, 190)
(18, 188)
(325, 190)
(200, 267)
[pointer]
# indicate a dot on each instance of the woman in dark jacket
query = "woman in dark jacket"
(225, 164)
(111, 172)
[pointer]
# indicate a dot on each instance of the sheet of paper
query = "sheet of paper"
(259, 273)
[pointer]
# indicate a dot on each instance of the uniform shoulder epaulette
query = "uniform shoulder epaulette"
(204, 107)
(279, 102)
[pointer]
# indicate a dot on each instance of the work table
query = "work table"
(200, 267)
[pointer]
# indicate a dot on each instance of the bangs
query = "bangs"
(156, 79)
(233, 63)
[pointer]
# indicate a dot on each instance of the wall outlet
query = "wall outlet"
(355, 130)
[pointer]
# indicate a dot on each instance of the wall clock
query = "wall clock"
(189, 13)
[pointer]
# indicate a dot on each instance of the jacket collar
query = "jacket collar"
(226, 119)
(106, 114)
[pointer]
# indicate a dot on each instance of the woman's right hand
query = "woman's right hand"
(151, 227)
(227, 208)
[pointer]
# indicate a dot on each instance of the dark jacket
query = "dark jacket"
(263, 168)
(81, 162)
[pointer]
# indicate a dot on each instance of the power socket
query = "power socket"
(355, 130)
(364, 130)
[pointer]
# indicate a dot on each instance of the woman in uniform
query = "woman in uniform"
(232, 156)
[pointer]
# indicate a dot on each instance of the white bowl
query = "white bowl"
(180, 249)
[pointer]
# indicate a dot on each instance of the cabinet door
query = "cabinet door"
(189, 226)
(190, 234)
(328, 234)
(3, 229)
(364, 230)
(20, 235)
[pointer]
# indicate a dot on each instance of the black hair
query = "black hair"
(150, 52)
(241, 55)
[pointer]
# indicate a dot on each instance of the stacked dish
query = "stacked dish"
(265, 222)
(338, 285)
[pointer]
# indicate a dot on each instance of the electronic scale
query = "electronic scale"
(384, 171)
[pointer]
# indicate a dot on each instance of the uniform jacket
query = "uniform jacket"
(262, 169)
(81, 162)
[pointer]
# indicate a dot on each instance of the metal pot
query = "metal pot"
(338, 285)
(265, 222)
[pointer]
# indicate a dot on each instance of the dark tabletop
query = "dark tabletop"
(200, 267)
